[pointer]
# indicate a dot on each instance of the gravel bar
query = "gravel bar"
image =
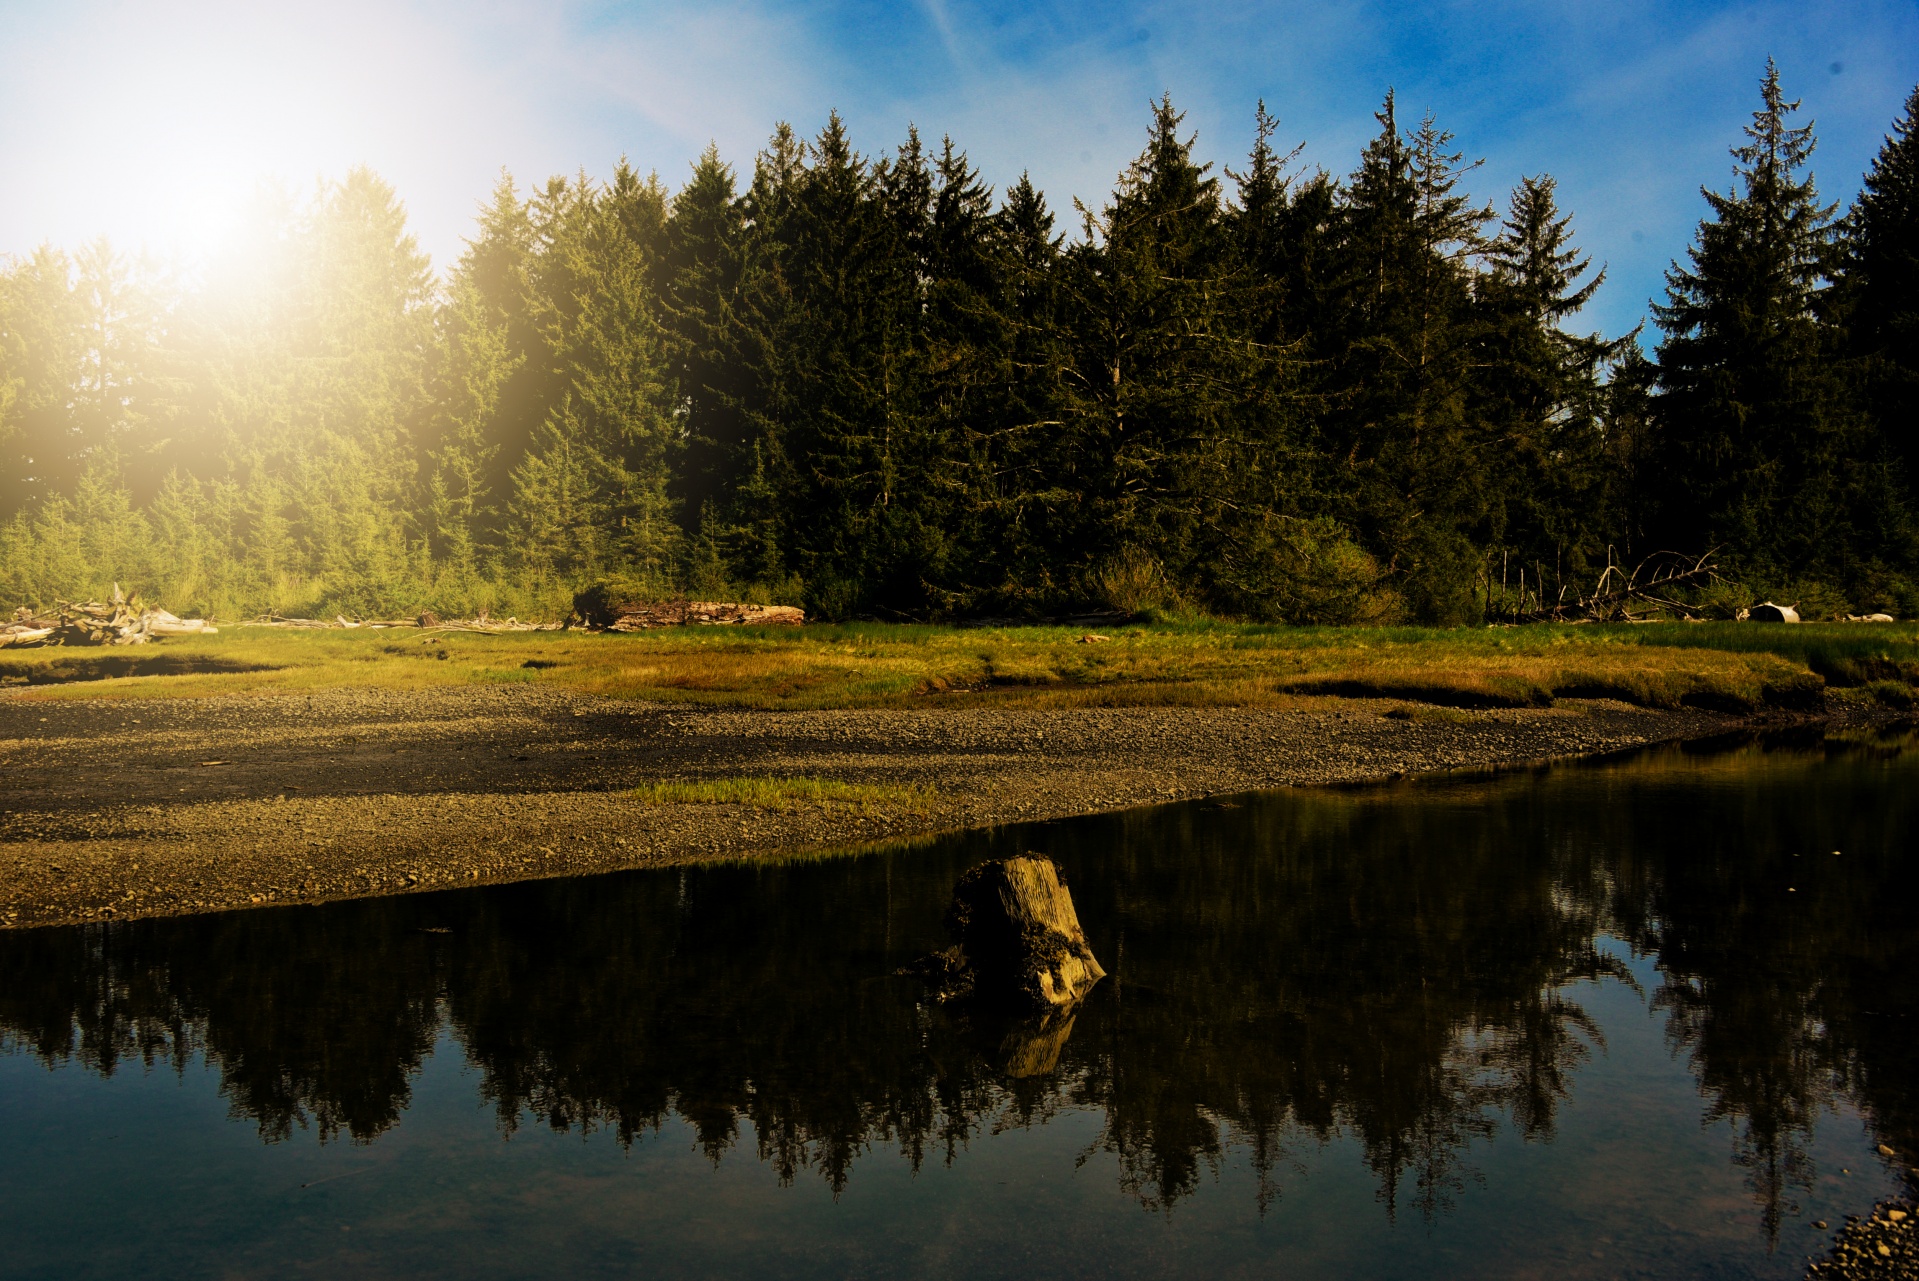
(113, 809)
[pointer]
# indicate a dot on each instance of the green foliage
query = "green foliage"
(1762, 441)
(866, 385)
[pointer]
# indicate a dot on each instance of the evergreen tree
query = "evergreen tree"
(1759, 436)
(1405, 459)
(1883, 272)
(40, 365)
(700, 314)
(1539, 389)
(605, 450)
(861, 385)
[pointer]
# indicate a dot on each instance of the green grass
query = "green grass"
(1728, 666)
(767, 792)
(1441, 715)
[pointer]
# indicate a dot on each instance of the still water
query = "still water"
(1633, 1018)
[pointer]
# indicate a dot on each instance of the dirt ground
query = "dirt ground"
(123, 809)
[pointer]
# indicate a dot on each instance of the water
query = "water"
(1623, 1019)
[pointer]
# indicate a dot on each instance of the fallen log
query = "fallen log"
(597, 607)
(1647, 585)
(117, 621)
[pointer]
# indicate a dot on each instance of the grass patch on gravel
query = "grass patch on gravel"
(1437, 715)
(1732, 667)
(767, 792)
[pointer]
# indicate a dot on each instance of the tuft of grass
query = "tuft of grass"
(1443, 715)
(769, 792)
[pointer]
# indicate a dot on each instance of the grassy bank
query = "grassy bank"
(1731, 666)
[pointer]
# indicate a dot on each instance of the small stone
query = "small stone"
(1820, 1224)
(1895, 1216)
(1885, 1251)
(1886, 1151)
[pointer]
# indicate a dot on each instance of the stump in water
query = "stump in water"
(1018, 941)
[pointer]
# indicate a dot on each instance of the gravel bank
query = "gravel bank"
(1882, 1247)
(124, 809)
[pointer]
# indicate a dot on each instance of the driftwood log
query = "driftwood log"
(431, 621)
(1017, 942)
(117, 621)
(1771, 613)
(1649, 585)
(700, 613)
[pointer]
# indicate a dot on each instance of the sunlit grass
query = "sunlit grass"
(767, 792)
(1733, 667)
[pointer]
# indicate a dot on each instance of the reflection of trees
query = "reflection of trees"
(316, 1018)
(1789, 973)
(1395, 966)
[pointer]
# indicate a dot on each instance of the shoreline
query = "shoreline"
(115, 810)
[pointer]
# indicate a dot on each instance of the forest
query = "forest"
(878, 388)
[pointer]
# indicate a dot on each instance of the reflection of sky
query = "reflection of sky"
(151, 122)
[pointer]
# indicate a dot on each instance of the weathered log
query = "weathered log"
(639, 616)
(1017, 940)
(1771, 613)
(119, 621)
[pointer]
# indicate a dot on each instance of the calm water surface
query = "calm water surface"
(1632, 1019)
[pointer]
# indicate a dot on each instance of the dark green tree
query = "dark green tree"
(1540, 391)
(1403, 456)
(1762, 446)
(1883, 275)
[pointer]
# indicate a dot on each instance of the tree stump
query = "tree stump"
(1017, 940)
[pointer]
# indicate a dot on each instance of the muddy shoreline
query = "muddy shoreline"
(122, 809)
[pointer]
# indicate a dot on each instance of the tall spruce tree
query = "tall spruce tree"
(1759, 433)
(1403, 456)
(700, 312)
(1883, 279)
(1539, 388)
(1167, 442)
(1015, 437)
(592, 493)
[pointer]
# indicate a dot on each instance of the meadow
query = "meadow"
(1731, 667)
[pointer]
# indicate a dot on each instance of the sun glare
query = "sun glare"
(190, 115)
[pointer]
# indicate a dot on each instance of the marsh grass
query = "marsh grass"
(768, 792)
(1441, 715)
(1731, 667)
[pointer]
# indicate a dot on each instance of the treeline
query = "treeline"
(872, 387)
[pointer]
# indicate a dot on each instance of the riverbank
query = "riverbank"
(113, 809)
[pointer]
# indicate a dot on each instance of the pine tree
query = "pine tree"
(40, 364)
(700, 303)
(605, 449)
(1539, 388)
(498, 378)
(1404, 458)
(1883, 279)
(1012, 434)
(1754, 412)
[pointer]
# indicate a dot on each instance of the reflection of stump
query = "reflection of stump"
(1032, 1047)
(1018, 940)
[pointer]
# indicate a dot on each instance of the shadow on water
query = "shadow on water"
(1399, 966)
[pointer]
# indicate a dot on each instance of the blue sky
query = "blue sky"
(151, 122)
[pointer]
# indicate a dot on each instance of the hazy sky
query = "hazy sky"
(152, 122)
